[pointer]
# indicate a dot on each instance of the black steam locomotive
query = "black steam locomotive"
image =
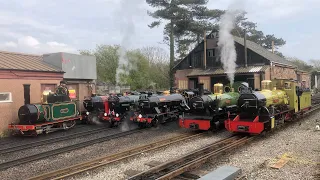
(109, 108)
(154, 109)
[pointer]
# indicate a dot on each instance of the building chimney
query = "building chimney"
(201, 90)
(26, 90)
(205, 50)
(245, 49)
(272, 46)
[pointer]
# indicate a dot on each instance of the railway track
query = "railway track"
(46, 154)
(21, 139)
(48, 141)
(102, 161)
(192, 160)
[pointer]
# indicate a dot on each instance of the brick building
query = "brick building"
(42, 72)
(259, 65)
(17, 69)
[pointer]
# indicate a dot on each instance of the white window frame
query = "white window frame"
(10, 97)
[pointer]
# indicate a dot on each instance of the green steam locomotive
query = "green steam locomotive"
(56, 111)
(208, 112)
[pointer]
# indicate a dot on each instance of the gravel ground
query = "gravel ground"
(109, 147)
(298, 141)
(116, 171)
(57, 145)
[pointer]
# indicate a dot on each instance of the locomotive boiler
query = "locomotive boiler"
(261, 111)
(208, 112)
(155, 109)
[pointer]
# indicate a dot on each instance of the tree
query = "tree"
(138, 70)
(107, 61)
(147, 68)
(159, 66)
(316, 64)
(255, 35)
(182, 16)
(302, 65)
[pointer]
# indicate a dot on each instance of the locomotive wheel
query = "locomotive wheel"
(148, 125)
(141, 125)
(111, 124)
(215, 126)
(155, 122)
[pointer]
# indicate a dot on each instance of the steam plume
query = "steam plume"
(128, 10)
(226, 42)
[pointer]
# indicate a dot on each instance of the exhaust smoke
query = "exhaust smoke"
(226, 41)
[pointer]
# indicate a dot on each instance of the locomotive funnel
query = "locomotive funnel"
(201, 90)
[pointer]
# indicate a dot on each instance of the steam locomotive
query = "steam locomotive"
(261, 111)
(111, 108)
(208, 111)
(155, 109)
(55, 112)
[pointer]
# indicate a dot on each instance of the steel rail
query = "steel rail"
(16, 139)
(48, 141)
(46, 154)
(188, 157)
(102, 161)
(201, 160)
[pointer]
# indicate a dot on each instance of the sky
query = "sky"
(45, 26)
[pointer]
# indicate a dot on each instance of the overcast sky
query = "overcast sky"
(42, 26)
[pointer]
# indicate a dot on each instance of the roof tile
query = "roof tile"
(28, 62)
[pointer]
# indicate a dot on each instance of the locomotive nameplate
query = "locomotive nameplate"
(65, 110)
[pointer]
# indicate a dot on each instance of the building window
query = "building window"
(5, 97)
(211, 53)
(183, 84)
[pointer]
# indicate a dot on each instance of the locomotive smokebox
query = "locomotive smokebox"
(26, 90)
(201, 90)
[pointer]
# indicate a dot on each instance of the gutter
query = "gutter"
(28, 70)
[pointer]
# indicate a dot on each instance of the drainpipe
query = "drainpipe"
(315, 81)
(26, 90)
(245, 49)
(271, 70)
(205, 50)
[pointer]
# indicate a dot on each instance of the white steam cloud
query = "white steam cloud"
(126, 14)
(226, 42)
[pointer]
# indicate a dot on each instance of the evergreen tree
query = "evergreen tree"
(184, 17)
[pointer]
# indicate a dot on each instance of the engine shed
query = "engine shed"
(253, 64)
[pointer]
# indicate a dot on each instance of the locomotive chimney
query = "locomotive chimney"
(26, 90)
(201, 90)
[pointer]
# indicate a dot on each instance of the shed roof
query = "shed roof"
(255, 48)
(220, 71)
(25, 62)
(263, 51)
